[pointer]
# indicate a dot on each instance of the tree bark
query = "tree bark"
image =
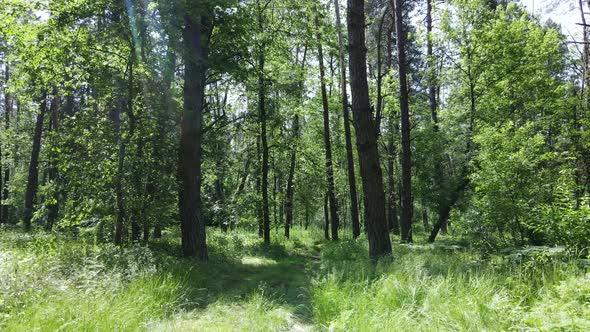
(326, 217)
(262, 117)
(335, 221)
(259, 209)
(33, 177)
(264, 147)
(5, 176)
(290, 179)
(189, 162)
(374, 196)
(407, 205)
(121, 213)
(53, 209)
(354, 212)
(392, 217)
(431, 67)
(295, 136)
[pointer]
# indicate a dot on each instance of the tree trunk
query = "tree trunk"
(264, 147)
(425, 218)
(374, 196)
(433, 103)
(393, 220)
(259, 209)
(354, 212)
(326, 217)
(290, 179)
(407, 206)
(121, 214)
(53, 209)
(5, 176)
(262, 118)
(327, 140)
(33, 177)
(189, 162)
(431, 67)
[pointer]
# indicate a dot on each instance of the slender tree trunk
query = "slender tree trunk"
(121, 213)
(354, 212)
(407, 206)
(433, 103)
(264, 147)
(374, 196)
(136, 210)
(327, 140)
(259, 209)
(393, 220)
(262, 118)
(380, 75)
(431, 67)
(189, 162)
(326, 217)
(295, 136)
(33, 178)
(425, 217)
(5, 176)
(290, 179)
(53, 209)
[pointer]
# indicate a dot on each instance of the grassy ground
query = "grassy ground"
(50, 283)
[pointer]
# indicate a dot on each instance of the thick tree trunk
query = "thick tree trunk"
(407, 204)
(354, 212)
(189, 162)
(33, 177)
(374, 196)
(335, 221)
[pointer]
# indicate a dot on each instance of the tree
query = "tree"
(195, 33)
(33, 177)
(378, 235)
(356, 225)
(407, 203)
(335, 223)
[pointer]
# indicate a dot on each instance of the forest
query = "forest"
(294, 165)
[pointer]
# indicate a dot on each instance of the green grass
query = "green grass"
(50, 283)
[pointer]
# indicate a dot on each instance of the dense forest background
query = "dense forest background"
(111, 113)
(381, 121)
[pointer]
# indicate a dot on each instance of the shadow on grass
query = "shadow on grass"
(281, 277)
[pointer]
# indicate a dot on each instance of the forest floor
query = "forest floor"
(50, 282)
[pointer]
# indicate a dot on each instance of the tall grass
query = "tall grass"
(436, 289)
(51, 283)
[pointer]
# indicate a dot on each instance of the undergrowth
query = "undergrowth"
(50, 282)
